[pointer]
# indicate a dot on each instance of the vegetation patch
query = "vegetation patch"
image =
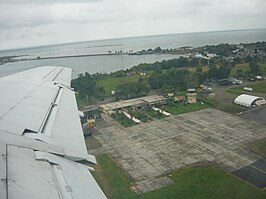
(226, 107)
(259, 87)
(122, 119)
(81, 102)
(141, 116)
(262, 66)
(111, 83)
(243, 66)
(198, 183)
(154, 114)
(177, 109)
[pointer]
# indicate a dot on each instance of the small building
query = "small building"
(91, 123)
(134, 104)
(142, 74)
(248, 89)
(191, 96)
(112, 92)
(249, 100)
(180, 98)
(259, 77)
(92, 112)
(171, 94)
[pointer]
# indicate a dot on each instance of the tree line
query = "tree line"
(166, 75)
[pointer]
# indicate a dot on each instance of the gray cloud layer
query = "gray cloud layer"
(41, 22)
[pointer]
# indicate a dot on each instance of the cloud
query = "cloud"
(48, 1)
(39, 22)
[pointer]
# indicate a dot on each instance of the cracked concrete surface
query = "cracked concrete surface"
(149, 151)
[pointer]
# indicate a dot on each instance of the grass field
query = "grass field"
(111, 83)
(245, 68)
(263, 67)
(226, 107)
(258, 87)
(192, 183)
(185, 108)
(192, 69)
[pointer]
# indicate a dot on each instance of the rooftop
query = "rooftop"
(132, 102)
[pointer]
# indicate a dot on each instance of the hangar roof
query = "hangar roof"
(246, 100)
(132, 102)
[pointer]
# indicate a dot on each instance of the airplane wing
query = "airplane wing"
(41, 138)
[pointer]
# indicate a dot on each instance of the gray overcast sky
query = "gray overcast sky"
(26, 23)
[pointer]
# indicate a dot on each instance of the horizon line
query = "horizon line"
(103, 39)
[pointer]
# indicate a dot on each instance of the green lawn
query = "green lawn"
(192, 183)
(185, 108)
(258, 87)
(111, 83)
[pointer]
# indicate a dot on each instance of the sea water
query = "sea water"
(111, 63)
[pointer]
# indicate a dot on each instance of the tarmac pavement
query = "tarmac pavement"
(150, 151)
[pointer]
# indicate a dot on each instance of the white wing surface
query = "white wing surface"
(41, 138)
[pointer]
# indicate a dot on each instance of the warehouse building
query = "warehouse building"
(134, 104)
(249, 100)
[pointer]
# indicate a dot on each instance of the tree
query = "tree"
(254, 68)
(194, 62)
(223, 72)
(213, 72)
(85, 85)
(198, 69)
(239, 73)
(131, 90)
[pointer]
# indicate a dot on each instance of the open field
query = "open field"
(193, 69)
(245, 68)
(258, 87)
(149, 151)
(111, 83)
(189, 183)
